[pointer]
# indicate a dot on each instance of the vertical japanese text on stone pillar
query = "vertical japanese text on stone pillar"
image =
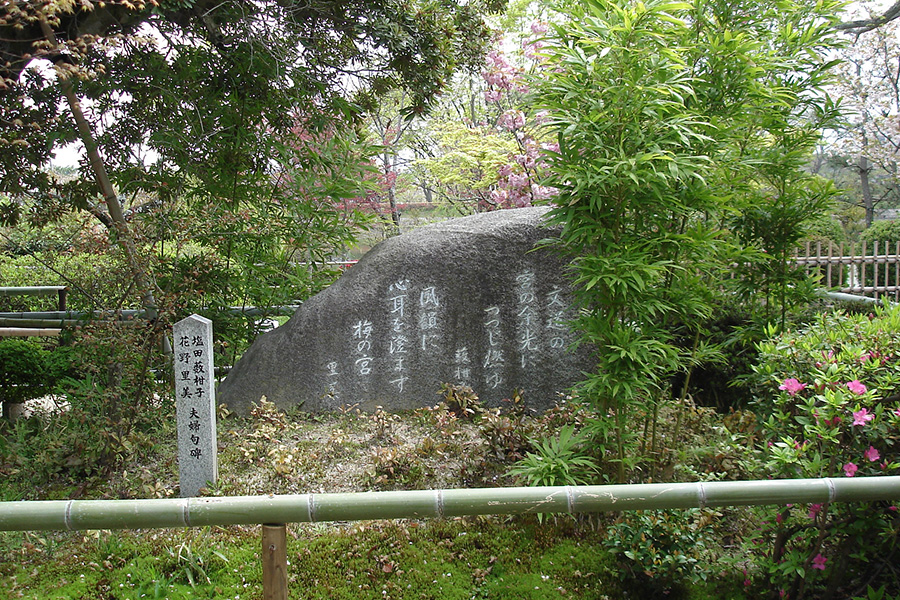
(195, 404)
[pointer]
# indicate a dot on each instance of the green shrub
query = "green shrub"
(557, 461)
(882, 231)
(665, 547)
(887, 235)
(28, 370)
(825, 229)
(112, 410)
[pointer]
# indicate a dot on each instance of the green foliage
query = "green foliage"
(28, 370)
(631, 168)
(886, 234)
(829, 391)
(706, 127)
(882, 231)
(825, 230)
(111, 412)
(663, 547)
(228, 83)
(468, 161)
(92, 275)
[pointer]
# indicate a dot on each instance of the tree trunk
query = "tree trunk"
(863, 168)
(389, 163)
(120, 227)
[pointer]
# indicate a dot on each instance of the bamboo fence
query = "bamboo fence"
(868, 268)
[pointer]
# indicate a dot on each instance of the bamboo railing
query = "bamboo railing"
(417, 504)
(274, 511)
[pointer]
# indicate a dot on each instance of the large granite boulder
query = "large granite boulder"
(467, 301)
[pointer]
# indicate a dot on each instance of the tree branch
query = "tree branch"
(861, 26)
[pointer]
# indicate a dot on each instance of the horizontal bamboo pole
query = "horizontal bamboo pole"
(78, 316)
(417, 504)
(38, 290)
(28, 332)
(849, 297)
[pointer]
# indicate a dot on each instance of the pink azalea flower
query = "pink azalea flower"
(856, 387)
(850, 469)
(791, 386)
(872, 454)
(819, 562)
(862, 416)
(814, 509)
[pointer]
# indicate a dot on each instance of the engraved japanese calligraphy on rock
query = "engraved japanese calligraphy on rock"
(467, 301)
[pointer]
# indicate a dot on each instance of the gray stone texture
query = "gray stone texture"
(466, 301)
(195, 404)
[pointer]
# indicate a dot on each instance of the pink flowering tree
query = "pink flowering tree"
(492, 157)
(830, 393)
(519, 180)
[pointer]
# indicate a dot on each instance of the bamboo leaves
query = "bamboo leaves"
(665, 113)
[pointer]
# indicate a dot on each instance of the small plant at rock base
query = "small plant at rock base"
(393, 465)
(507, 432)
(268, 416)
(382, 422)
(461, 400)
(557, 461)
(282, 460)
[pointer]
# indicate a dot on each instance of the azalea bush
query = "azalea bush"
(830, 393)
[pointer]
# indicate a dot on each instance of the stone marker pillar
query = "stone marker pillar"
(195, 402)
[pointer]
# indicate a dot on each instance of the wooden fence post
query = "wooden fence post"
(274, 557)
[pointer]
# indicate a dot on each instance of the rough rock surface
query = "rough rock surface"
(467, 301)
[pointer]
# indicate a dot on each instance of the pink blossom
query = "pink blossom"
(791, 386)
(532, 49)
(873, 355)
(856, 387)
(897, 412)
(862, 416)
(539, 27)
(492, 95)
(819, 562)
(850, 469)
(872, 454)
(512, 120)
